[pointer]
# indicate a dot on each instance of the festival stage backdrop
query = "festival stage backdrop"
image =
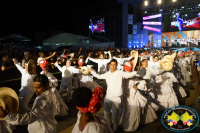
(183, 22)
(182, 36)
(96, 25)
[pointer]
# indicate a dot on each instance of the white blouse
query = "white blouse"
(100, 125)
(41, 118)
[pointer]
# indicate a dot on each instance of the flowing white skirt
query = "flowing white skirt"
(61, 107)
(167, 100)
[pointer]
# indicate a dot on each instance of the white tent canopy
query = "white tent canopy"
(64, 39)
(68, 39)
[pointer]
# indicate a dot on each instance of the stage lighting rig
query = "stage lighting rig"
(169, 6)
(145, 3)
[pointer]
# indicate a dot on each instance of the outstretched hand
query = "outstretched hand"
(15, 61)
(54, 53)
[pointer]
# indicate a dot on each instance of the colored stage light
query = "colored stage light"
(152, 16)
(152, 23)
(145, 3)
(152, 29)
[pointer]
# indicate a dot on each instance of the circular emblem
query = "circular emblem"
(180, 119)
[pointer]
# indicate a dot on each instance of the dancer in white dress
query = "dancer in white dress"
(121, 61)
(85, 79)
(26, 92)
(88, 104)
(67, 75)
(61, 107)
(136, 108)
(165, 93)
(133, 104)
(102, 66)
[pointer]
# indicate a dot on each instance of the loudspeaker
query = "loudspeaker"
(130, 31)
(130, 26)
(142, 27)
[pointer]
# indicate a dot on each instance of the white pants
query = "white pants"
(25, 95)
(115, 107)
(69, 89)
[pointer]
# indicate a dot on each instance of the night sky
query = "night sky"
(28, 17)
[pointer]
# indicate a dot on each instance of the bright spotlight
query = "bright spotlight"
(174, 0)
(159, 1)
(145, 3)
(145, 12)
(174, 16)
(185, 14)
(183, 7)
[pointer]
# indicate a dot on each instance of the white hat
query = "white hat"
(166, 64)
(9, 98)
(85, 70)
(26, 53)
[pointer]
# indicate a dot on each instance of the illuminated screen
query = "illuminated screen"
(182, 22)
(197, 63)
(96, 25)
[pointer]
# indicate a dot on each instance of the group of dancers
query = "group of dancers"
(134, 88)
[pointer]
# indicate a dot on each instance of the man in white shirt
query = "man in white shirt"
(40, 119)
(26, 92)
(112, 99)
(67, 76)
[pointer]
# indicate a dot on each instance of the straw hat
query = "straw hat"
(9, 98)
(31, 66)
(166, 64)
(85, 70)
(170, 57)
(134, 54)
